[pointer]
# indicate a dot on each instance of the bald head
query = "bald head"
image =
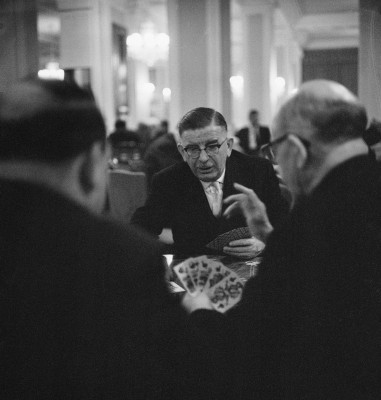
(324, 111)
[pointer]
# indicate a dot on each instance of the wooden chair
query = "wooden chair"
(126, 192)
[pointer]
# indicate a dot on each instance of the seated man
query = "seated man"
(84, 309)
(181, 197)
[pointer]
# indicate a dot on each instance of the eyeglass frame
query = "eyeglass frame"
(218, 145)
(270, 145)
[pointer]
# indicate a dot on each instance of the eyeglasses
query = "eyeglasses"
(269, 150)
(210, 149)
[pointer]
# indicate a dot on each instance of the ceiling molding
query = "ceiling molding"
(291, 10)
(333, 21)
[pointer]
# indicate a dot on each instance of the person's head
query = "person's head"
(311, 126)
(204, 129)
(254, 117)
(52, 131)
(120, 124)
(164, 125)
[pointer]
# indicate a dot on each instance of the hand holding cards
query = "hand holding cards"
(202, 275)
(225, 238)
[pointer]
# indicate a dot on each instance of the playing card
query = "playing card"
(193, 267)
(225, 238)
(184, 274)
(205, 268)
(226, 293)
(219, 272)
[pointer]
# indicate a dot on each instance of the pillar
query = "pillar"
(199, 56)
(87, 47)
(259, 57)
(18, 40)
(370, 57)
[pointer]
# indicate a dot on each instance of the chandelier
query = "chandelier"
(148, 46)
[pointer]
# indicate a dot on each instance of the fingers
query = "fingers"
(236, 202)
(241, 242)
(193, 303)
(234, 198)
(246, 255)
(246, 191)
(231, 210)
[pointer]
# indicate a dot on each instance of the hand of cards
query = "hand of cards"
(225, 238)
(200, 274)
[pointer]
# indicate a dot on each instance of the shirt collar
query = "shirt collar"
(220, 180)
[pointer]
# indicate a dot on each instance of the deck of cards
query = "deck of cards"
(201, 274)
(225, 238)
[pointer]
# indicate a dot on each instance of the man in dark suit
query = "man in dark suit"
(181, 198)
(85, 311)
(308, 325)
(254, 136)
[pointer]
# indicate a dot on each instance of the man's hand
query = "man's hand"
(193, 303)
(253, 209)
(377, 150)
(244, 248)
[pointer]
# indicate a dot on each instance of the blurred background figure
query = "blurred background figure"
(125, 143)
(252, 137)
(160, 130)
(162, 152)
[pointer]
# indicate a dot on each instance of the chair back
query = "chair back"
(127, 191)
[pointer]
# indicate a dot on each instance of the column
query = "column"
(199, 56)
(288, 60)
(259, 58)
(87, 46)
(18, 40)
(370, 57)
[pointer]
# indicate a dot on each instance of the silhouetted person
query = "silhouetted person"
(84, 308)
(124, 142)
(252, 137)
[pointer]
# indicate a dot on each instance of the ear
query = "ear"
(301, 153)
(92, 168)
(181, 150)
(230, 143)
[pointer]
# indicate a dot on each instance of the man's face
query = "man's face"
(285, 156)
(254, 120)
(207, 168)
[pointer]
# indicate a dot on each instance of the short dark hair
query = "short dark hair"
(200, 118)
(48, 120)
(120, 124)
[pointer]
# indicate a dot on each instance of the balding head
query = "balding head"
(324, 111)
(318, 128)
(48, 121)
(52, 133)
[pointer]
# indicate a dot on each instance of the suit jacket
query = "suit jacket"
(262, 138)
(177, 200)
(309, 322)
(85, 311)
